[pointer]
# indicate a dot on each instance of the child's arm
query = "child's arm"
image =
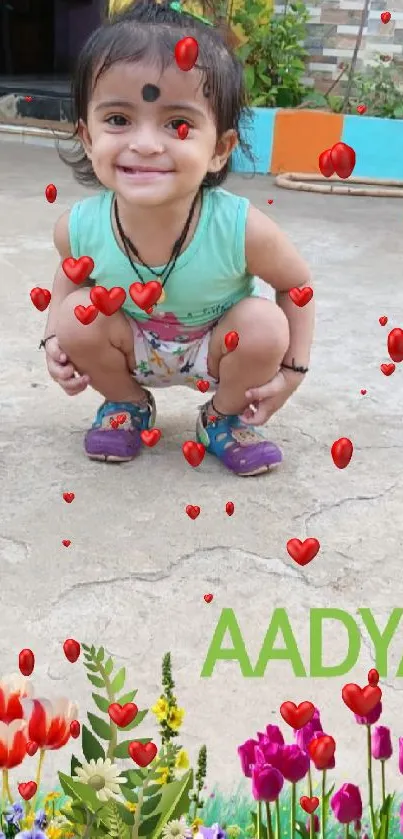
(271, 256)
(62, 286)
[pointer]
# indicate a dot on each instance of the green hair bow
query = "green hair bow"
(177, 7)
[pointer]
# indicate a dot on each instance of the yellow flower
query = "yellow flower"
(29, 820)
(164, 775)
(52, 796)
(182, 760)
(196, 823)
(53, 832)
(175, 718)
(131, 807)
(160, 709)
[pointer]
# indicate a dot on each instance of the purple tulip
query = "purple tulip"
(316, 825)
(267, 782)
(294, 763)
(247, 755)
(269, 753)
(381, 745)
(401, 755)
(372, 717)
(305, 734)
(274, 734)
(346, 804)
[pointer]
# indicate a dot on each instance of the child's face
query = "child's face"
(132, 125)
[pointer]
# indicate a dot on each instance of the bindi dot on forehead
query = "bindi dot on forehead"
(150, 92)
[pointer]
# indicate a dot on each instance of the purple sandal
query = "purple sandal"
(238, 445)
(115, 433)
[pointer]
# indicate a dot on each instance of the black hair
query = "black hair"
(150, 30)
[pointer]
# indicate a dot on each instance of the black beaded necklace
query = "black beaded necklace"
(169, 267)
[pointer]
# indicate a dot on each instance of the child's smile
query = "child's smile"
(132, 136)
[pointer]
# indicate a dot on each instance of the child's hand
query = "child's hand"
(270, 398)
(62, 371)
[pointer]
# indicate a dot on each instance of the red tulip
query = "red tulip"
(49, 723)
(13, 743)
(13, 688)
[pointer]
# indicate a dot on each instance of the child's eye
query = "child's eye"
(177, 122)
(120, 121)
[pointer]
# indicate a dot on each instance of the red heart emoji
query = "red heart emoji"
(231, 341)
(78, 270)
(122, 715)
(361, 109)
(342, 452)
(142, 753)
(28, 790)
(309, 804)
(51, 193)
(325, 163)
(388, 369)
(373, 676)
(321, 750)
(40, 298)
(86, 314)
(383, 320)
(297, 715)
(363, 391)
(108, 302)
(202, 385)
(183, 131)
(271, 201)
(194, 452)
(150, 437)
(149, 310)
(301, 296)
(208, 597)
(186, 53)
(385, 17)
(28, 98)
(75, 729)
(26, 662)
(66, 543)
(69, 497)
(31, 748)
(303, 552)
(114, 422)
(71, 649)
(145, 295)
(121, 419)
(343, 159)
(361, 701)
(229, 508)
(192, 511)
(395, 344)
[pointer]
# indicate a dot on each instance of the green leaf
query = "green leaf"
(101, 702)
(108, 666)
(149, 825)
(100, 727)
(150, 804)
(81, 793)
(174, 802)
(122, 749)
(263, 828)
(301, 829)
(127, 697)
(125, 814)
(100, 655)
(92, 749)
(137, 720)
(129, 794)
(135, 777)
(119, 681)
(93, 668)
(74, 764)
(96, 681)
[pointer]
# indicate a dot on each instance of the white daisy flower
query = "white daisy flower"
(103, 776)
(176, 829)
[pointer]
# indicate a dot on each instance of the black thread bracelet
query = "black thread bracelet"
(294, 368)
(43, 342)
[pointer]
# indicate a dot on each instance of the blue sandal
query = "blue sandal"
(240, 447)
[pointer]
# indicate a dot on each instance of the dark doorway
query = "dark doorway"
(26, 37)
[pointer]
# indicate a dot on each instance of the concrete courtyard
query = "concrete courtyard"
(137, 569)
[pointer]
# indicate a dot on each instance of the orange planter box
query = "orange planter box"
(300, 137)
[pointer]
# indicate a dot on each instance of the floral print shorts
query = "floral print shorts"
(161, 363)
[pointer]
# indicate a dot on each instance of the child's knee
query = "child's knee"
(69, 330)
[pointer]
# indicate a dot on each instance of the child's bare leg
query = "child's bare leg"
(103, 349)
(263, 340)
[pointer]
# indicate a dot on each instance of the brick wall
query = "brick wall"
(332, 32)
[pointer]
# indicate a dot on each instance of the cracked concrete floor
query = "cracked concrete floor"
(137, 569)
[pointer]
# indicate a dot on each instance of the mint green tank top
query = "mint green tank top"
(209, 277)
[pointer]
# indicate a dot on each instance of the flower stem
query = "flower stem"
(370, 782)
(323, 806)
(311, 817)
(111, 696)
(293, 809)
(270, 833)
(38, 776)
(346, 827)
(278, 819)
(259, 819)
(383, 781)
(6, 788)
(137, 815)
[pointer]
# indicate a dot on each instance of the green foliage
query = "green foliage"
(273, 55)
(377, 88)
